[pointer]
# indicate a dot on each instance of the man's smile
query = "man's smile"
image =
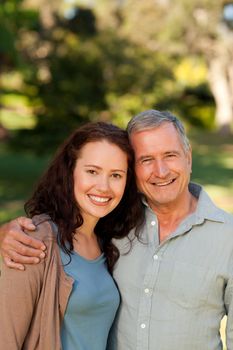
(165, 183)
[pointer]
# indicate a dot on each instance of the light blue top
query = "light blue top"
(92, 304)
(175, 293)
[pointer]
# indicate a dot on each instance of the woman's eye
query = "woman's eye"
(116, 176)
(91, 171)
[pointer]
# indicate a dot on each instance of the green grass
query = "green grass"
(19, 172)
(213, 166)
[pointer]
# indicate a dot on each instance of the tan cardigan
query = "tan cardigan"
(33, 302)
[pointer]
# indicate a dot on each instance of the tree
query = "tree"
(179, 28)
(63, 76)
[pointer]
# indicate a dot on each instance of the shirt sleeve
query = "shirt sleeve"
(19, 293)
(228, 299)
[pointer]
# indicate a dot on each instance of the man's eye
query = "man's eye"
(146, 160)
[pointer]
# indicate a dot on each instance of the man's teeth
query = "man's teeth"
(164, 183)
(99, 199)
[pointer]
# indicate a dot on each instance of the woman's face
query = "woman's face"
(99, 179)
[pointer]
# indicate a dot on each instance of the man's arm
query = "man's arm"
(16, 247)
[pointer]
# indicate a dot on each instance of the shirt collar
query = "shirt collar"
(206, 209)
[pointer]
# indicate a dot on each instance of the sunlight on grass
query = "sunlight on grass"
(228, 162)
(223, 197)
(222, 331)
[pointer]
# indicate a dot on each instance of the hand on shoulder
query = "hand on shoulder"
(18, 248)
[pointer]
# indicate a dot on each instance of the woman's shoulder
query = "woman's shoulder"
(45, 228)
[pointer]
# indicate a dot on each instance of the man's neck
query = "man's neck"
(170, 216)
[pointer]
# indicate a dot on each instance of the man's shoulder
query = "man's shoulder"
(222, 223)
(227, 217)
(208, 209)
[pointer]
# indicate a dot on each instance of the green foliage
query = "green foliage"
(13, 18)
(107, 62)
(66, 69)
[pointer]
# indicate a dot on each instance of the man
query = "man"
(176, 281)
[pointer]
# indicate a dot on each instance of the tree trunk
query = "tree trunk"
(220, 85)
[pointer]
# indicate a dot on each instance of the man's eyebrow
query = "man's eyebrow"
(143, 157)
(172, 151)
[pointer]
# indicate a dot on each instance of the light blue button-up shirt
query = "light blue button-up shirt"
(174, 294)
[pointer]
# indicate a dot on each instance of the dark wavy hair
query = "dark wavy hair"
(54, 194)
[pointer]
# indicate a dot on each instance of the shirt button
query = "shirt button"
(143, 325)
(155, 257)
(146, 290)
(153, 223)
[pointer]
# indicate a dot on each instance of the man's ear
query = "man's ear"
(190, 158)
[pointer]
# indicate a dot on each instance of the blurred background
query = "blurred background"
(66, 62)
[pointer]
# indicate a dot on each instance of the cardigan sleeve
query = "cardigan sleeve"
(19, 293)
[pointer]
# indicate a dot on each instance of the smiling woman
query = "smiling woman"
(98, 183)
(86, 197)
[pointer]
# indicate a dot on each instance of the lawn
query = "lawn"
(213, 166)
(18, 175)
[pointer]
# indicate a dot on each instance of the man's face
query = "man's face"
(162, 166)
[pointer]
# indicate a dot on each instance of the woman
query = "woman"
(87, 196)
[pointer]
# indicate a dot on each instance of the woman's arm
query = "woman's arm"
(19, 294)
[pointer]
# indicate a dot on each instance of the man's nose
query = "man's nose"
(160, 169)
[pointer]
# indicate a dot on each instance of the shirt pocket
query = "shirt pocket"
(189, 285)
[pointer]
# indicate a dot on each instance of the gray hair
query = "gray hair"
(152, 118)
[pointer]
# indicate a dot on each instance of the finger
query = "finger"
(12, 264)
(17, 258)
(24, 250)
(26, 223)
(18, 235)
(30, 241)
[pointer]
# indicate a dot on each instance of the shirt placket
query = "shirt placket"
(155, 255)
(145, 304)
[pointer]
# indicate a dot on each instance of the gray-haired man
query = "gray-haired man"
(176, 281)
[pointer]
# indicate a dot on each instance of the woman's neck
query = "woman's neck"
(85, 241)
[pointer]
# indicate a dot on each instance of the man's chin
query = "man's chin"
(162, 201)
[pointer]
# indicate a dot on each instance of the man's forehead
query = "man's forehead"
(147, 140)
(144, 134)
